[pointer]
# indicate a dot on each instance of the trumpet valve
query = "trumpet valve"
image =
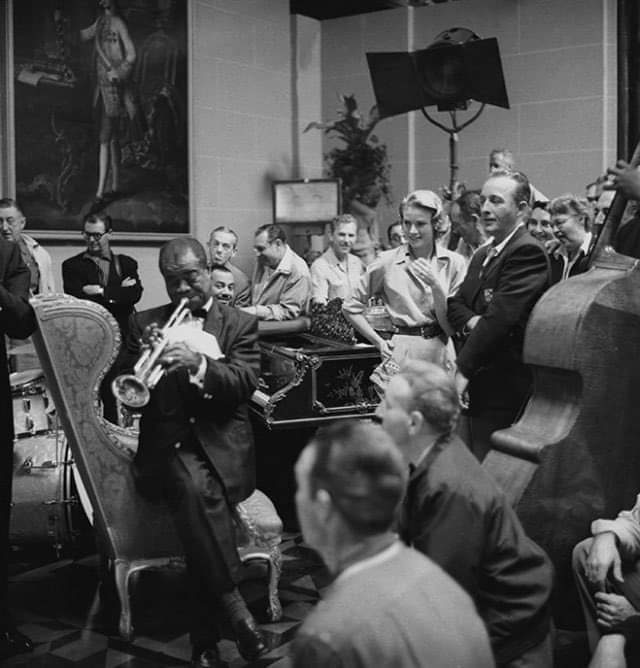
(154, 376)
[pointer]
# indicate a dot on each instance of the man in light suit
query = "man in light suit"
(37, 259)
(281, 283)
(196, 446)
(492, 307)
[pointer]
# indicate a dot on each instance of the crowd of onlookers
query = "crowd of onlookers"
(446, 304)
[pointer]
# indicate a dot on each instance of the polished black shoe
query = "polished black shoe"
(13, 642)
(250, 641)
(207, 658)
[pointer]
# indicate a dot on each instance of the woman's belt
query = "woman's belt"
(428, 331)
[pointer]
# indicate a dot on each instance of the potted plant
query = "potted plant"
(361, 163)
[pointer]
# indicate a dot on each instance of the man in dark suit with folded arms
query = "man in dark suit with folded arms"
(196, 446)
(107, 278)
(492, 307)
(102, 276)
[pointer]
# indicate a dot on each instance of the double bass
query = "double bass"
(574, 453)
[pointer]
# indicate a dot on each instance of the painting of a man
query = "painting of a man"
(100, 109)
(115, 55)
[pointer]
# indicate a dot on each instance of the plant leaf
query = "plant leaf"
(350, 103)
(319, 126)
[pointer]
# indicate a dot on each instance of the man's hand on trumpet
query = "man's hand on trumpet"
(152, 336)
(177, 355)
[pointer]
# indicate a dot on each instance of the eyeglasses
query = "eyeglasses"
(10, 221)
(96, 236)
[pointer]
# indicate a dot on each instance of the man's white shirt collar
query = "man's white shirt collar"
(386, 555)
(498, 248)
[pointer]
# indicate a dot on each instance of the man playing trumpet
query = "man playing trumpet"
(196, 447)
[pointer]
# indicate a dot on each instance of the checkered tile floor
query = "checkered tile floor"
(58, 606)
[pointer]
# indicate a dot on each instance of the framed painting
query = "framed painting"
(100, 96)
(306, 201)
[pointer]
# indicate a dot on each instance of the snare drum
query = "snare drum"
(48, 506)
(32, 410)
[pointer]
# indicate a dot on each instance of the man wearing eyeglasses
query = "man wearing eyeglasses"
(109, 279)
(38, 262)
(571, 224)
(12, 222)
(100, 275)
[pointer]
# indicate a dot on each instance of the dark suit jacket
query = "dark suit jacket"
(557, 267)
(17, 320)
(627, 240)
(503, 294)
(217, 415)
(456, 515)
(80, 270)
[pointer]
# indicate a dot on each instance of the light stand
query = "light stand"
(453, 142)
(456, 68)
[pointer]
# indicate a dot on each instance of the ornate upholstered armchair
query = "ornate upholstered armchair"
(77, 342)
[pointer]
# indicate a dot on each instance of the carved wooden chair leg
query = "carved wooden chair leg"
(122, 574)
(275, 570)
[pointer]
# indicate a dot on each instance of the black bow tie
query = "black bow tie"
(200, 313)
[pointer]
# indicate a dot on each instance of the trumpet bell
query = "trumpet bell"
(130, 391)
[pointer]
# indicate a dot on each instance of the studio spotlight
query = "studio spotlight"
(456, 68)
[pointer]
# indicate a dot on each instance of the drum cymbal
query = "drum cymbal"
(18, 379)
(25, 349)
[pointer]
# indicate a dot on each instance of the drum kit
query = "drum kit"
(50, 506)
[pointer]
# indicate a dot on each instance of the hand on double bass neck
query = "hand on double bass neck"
(625, 179)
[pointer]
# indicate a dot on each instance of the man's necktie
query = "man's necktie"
(491, 253)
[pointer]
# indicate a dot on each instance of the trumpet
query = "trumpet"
(134, 389)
